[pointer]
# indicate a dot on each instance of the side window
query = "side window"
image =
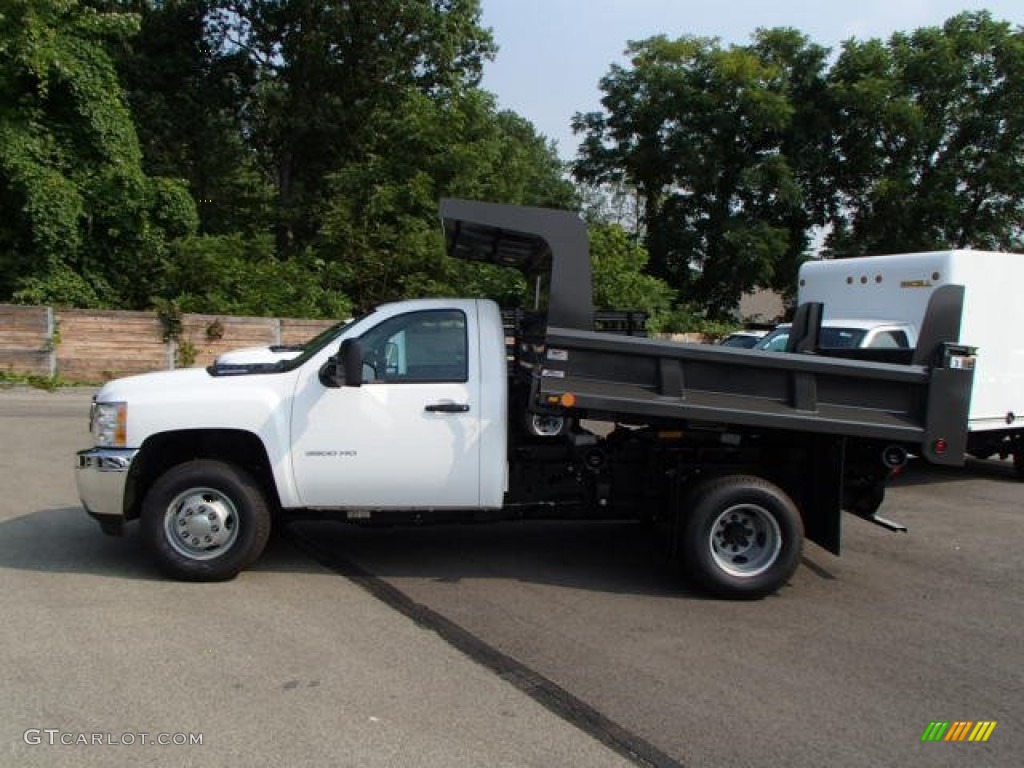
(417, 347)
(890, 340)
(843, 338)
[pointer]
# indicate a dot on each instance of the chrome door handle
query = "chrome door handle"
(447, 408)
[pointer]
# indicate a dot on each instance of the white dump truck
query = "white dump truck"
(421, 411)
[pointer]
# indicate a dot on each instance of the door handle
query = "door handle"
(447, 408)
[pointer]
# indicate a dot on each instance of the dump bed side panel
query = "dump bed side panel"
(659, 380)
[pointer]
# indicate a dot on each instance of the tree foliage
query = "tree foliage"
(743, 156)
(287, 156)
(84, 224)
(381, 223)
(932, 151)
(190, 96)
(700, 131)
(325, 72)
(619, 274)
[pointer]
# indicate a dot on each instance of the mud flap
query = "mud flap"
(821, 499)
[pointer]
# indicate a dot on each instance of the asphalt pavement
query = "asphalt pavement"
(105, 663)
(547, 644)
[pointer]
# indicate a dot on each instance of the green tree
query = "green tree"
(241, 275)
(700, 131)
(84, 224)
(381, 225)
(326, 71)
(620, 281)
(801, 75)
(930, 151)
(189, 94)
(360, 116)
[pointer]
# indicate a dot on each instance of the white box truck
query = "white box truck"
(896, 288)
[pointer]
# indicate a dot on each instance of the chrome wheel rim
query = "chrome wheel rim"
(201, 523)
(546, 426)
(745, 540)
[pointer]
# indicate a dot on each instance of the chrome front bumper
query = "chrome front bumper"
(101, 475)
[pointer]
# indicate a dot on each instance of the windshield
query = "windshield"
(318, 342)
(740, 340)
(326, 335)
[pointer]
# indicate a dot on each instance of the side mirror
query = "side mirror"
(344, 369)
(350, 363)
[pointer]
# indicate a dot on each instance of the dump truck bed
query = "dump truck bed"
(646, 379)
(923, 405)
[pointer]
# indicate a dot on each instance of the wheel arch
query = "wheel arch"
(162, 451)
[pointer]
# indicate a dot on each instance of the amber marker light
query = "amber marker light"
(568, 399)
(121, 430)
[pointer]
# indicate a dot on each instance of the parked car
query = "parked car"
(743, 339)
(848, 334)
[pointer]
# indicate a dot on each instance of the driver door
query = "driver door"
(409, 436)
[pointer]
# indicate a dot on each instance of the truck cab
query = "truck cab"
(411, 427)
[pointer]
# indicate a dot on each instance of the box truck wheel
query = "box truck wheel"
(205, 520)
(740, 537)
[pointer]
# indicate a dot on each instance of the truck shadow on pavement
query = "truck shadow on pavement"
(612, 557)
(609, 557)
(64, 540)
(919, 472)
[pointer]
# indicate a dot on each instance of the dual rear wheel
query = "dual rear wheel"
(739, 536)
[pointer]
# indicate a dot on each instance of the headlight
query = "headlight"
(110, 424)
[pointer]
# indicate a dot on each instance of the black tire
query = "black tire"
(740, 537)
(218, 515)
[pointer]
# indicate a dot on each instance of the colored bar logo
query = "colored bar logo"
(958, 730)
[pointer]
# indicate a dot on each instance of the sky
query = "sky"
(552, 53)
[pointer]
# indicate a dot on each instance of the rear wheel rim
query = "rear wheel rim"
(546, 426)
(745, 540)
(201, 523)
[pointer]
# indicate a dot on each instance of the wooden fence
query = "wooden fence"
(84, 345)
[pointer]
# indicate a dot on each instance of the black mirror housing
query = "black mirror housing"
(350, 363)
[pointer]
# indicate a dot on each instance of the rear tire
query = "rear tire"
(740, 537)
(205, 520)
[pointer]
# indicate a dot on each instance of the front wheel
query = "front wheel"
(205, 521)
(740, 537)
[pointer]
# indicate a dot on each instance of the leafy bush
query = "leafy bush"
(238, 275)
